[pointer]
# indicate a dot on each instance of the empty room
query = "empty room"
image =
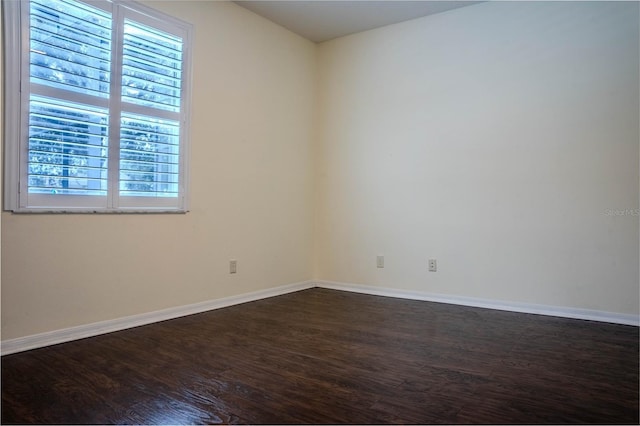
(320, 212)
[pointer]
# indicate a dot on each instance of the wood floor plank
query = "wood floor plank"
(328, 357)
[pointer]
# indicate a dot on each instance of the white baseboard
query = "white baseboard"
(555, 311)
(89, 330)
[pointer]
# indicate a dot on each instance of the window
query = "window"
(96, 102)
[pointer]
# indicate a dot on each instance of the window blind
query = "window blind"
(102, 112)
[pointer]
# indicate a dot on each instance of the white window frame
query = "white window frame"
(17, 90)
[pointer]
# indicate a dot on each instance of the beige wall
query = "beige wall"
(496, 138)
(251, 195)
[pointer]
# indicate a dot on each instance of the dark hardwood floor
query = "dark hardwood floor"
(323, 356)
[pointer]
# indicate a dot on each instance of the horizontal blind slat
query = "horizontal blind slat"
(136, 177)
(140, 63)
(55, 31)
(127, 164)
(166, 85)
(66, 191)
(57, 51)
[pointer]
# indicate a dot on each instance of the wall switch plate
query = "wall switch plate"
(380, 261)
(433, 265)
(233, 266)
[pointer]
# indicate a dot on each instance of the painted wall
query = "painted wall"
(500, 139)
(251, 194)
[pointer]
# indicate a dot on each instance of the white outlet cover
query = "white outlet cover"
(433, 265)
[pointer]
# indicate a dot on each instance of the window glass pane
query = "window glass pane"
(149, 156)
(67, 148)
(70, 46)
(152, 67)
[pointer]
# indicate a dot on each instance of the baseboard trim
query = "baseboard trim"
(34, 341)
(555, 311)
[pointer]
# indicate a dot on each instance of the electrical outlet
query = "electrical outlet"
(380, 261)
(233, 266)
(433, 265)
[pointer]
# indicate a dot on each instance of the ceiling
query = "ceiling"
(320, 21)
